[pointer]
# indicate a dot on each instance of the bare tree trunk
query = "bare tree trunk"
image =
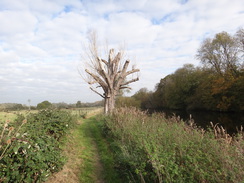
(109, 103)
(105, 105)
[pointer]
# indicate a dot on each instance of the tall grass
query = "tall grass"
(156, 149)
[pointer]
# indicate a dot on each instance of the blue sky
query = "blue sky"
(42, 41)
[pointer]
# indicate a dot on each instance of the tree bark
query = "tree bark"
(109, 101)
(109, 104)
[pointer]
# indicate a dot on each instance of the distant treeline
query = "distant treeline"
(46, 104)
(217, 85)
(12, 107)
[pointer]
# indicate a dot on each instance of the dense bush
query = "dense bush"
(44, 105)
(30, 151)
(154, 149)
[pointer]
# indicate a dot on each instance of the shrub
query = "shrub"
(32, 151)
(154, 149)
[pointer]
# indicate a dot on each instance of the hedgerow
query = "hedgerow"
(30, 150)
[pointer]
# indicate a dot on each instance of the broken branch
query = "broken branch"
(97, 92)
(131, 81)
(132, 71)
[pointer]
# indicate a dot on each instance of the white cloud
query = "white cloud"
(41, 41)
(16, 22)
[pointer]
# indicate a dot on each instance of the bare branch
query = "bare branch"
(121, 76)
(125, 87)
(132, 71)
(103, 73)
(97, 92)
(125, 67)
(131, 81)
(116, 63)
(117, 58)
(104, 61)
(110, 57)
(92, 82)
(95, 77)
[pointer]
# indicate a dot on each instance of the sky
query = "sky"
(42, 41)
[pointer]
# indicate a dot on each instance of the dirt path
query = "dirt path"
(83, 164)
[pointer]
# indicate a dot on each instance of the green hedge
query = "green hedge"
(30, 149)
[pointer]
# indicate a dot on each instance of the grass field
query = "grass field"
(82, 112)
(11, 115)
(86, 112)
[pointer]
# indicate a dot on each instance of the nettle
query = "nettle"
(30, 152)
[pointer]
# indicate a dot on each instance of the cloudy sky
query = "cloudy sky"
(42, 41)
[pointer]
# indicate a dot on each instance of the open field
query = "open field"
(86, 111)
(7, 116)
(81, 112)
(11, 115)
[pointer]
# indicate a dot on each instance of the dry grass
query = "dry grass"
(11, 115)
(7, 116)
(71, 170)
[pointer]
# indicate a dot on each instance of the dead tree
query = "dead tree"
(108, 75)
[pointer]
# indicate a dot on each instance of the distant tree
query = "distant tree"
(18, 107)
(62, 105)
(127, 102)
(78, 104)
(221, 53)
(111, 75)
(174, 90)
(224, 54)
(145, 98)
(240, 40)
(44, 105)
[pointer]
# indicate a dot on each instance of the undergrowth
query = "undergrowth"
(156, 149)
(30, 148)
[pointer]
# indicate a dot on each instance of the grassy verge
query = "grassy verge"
(154, 149)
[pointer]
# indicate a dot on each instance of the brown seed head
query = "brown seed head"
(9, 141)
(11, 128)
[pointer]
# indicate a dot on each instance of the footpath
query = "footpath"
(83, 160)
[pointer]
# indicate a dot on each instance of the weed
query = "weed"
(154, 149)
